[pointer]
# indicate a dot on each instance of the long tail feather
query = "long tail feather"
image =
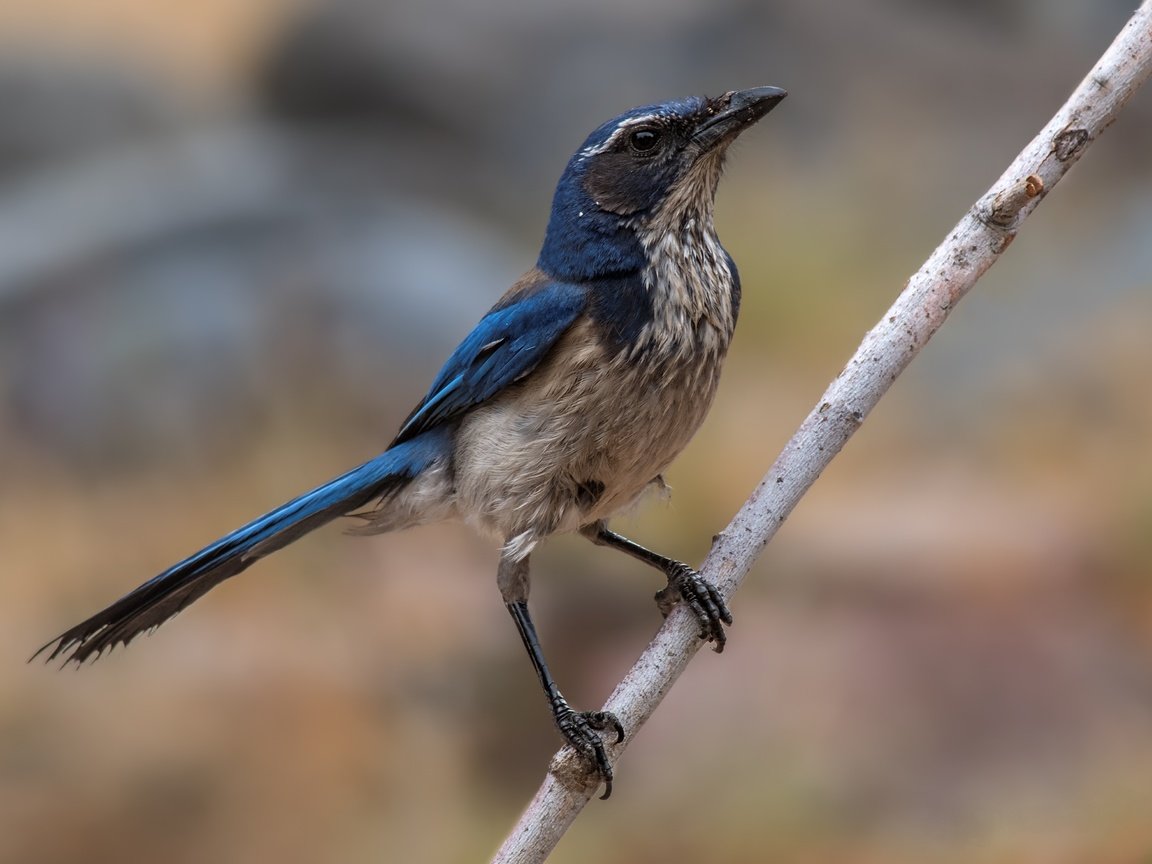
(161, 597)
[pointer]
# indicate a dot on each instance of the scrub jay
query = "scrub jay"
(561, 407)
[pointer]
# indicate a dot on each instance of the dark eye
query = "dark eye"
(643, 141)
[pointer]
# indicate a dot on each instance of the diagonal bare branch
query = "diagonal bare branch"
(976, 242)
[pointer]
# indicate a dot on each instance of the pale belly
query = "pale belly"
(574, 445)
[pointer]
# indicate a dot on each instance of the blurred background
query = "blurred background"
(238, 239)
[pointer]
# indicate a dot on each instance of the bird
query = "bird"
(562, 407)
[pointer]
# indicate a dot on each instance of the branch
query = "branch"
(951, 271)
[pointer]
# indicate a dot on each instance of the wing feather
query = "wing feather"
(507, 344)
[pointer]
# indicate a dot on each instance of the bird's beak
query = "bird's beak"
(734, 112)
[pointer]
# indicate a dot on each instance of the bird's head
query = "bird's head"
(649, 166)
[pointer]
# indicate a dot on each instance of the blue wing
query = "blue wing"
(505, 346)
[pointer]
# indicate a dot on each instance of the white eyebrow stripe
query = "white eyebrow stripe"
(625, 127)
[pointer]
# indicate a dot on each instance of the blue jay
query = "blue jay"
(561, 407)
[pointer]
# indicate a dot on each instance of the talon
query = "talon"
(581, 729)
(703, 599)
(609, 720)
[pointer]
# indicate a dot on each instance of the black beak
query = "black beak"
(734, 112)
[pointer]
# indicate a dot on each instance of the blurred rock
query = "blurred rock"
(57, 108)
(178, 343)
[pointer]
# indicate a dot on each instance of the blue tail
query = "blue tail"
(163, 596)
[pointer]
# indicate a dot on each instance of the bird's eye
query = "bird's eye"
(643, 141)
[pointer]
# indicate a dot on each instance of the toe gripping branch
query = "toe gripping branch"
(581, 729)
(701, 597)
(684, 583)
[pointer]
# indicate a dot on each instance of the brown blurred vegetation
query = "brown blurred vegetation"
(236, 239)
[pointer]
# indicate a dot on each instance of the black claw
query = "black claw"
(581, 729)
(684, 583)
(703, 599)
(605, 720)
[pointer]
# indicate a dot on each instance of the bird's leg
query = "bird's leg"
(580, 728)
(684, 583)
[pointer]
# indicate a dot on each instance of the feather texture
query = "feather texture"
(569, 397)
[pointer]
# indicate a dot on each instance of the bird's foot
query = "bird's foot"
(582, 730)
(703, 599)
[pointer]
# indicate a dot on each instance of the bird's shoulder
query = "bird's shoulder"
(507, 344)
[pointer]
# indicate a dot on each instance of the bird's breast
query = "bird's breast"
(584, 435)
